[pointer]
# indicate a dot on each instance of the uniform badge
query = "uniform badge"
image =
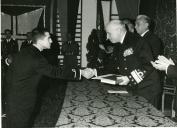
(128, 52)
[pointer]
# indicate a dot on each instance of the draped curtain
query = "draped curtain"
(27, 17)
(5, 22)
(27, 21)
(68, 10)
(73, 6)
(63, 14)
(100, 22)
(148, 7)
(41, 23)
(128, 8)
(19, 7)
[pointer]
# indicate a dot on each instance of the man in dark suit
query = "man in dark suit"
(170, 68)
(9, 48)
(28, 41)
(167, 65)
(23, 76)
(132, 57)
(143, 28)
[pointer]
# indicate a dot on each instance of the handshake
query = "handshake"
(88, 73)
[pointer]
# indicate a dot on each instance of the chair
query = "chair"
(168, 89)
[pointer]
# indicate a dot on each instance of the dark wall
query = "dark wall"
(148, 7)
(166, 24)
(164, 14)
(23, 2)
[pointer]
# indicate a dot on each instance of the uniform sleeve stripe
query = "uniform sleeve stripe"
(136, 76)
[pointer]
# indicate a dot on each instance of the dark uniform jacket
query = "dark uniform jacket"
(157, 48)
(9, 48)
(25, 44)
(22, 78)
(155, 44)
(132, 58)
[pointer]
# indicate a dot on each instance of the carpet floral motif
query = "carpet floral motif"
(87, 104)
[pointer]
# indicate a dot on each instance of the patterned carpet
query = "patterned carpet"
(87, 104)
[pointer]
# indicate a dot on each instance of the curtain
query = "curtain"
(73, 6)
(100, 22)
(128, 8)
(19, 7)
(63, 14)
(68, 10)
(148, 7)
(41, 21)
(27, 21)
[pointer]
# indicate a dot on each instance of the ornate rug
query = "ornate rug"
(87, 104)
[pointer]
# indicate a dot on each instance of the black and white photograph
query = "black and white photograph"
(88, 63)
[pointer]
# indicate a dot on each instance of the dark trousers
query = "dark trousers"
(19, 115)
(153, 98)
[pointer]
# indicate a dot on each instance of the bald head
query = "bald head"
(144, 19)
(116, 24)
(115, 30)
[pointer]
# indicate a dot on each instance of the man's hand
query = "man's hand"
(88, 73)
(165, 60)
(162, 63)
(123, 80)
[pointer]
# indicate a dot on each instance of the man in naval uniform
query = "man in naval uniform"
(132, 57)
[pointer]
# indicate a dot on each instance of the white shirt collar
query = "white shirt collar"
(38, 47)
(144, 33)
(123, 37)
